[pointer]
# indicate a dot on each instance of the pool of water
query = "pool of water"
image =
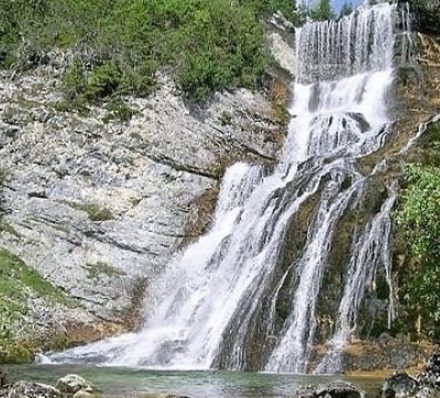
(131, 382)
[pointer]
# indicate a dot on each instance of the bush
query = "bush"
(3, 176)
(119, 110)
(94, 211)
(74, 82)
(208, 45)
(418, 219)
(323, 11)
(103, 81)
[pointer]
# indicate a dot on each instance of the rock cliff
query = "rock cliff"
(97, 206)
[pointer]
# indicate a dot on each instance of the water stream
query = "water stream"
(234, 299)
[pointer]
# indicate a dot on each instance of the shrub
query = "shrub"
(323, 11)
(94, 211)
(3, 176)
(96, 270)
(208, 45)
(418, 219)
(103, 81)
(119, 110)
(74, 82)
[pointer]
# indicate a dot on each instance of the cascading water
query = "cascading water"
(239, 297)
(370, 251)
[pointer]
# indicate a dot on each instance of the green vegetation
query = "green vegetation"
(119, 110)
(15, 276)
(3, 175)
(418, 219)
(425, 5)
(100, 268)
(417, 242)
(18, 283)
(94, 211)
(323, 11)
(346, 9)
(120, 46)
(9, 229)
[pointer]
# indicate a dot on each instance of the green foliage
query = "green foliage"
(96, 270)
(75, 81)
(94, 211)
(12, 352)
(267, 7)
(119, 110)
(103, 81)
(346, 9)
(9, 229)
(3, 175)
(418, 219)
(323, 11)
(18, 283)
(16, 275)
(426, 5)
(121, 45)
(9, 33)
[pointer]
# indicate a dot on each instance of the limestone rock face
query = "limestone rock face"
(98, 206)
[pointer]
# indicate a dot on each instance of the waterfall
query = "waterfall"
(246, 294)
(371, 250)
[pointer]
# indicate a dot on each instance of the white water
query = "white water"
(224, 290)
(350, 116)
(371, 250)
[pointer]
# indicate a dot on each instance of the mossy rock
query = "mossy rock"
(18, 284)
(95, 212)
(14, 352)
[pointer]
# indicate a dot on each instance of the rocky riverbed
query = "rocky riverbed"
(425, 384)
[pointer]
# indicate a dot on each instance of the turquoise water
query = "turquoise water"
(131, 382)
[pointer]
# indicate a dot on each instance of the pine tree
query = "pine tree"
(347, 9)
(323, 11)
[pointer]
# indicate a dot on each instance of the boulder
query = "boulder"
(85, 394)
(400, 385)
(3, 378)
(24, 389)
(332, 390)
(71, 384)
(163, 396)
(430, 376)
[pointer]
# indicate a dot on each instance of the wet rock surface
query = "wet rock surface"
(162, 396)
(430, 376)
(24, 389)
(69, 386)
(332, 390)
(73, 383)
(400, 385)
(425, 385)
